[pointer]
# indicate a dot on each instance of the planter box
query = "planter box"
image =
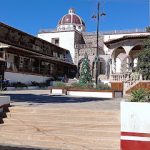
(91, 93)
(135, 126)
(57, 91)
(82, 93)
(4, 102)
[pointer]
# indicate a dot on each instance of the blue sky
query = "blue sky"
(33, 15)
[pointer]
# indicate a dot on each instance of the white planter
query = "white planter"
(91, 94)
(135, 126)
(4, 102)
(56, 91)
(82, 93)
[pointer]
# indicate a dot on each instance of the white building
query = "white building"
(68, 33)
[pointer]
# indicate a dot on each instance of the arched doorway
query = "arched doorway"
(134, 53)
(101, 66)
(118, 56)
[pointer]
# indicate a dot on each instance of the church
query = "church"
(53, 54)
(117, 50)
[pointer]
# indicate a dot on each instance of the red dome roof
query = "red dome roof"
(71, 18)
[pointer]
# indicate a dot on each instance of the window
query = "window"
(55, 41)
(55, 54)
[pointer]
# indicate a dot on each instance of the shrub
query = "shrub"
(18, 85)
(39, 84)
(102, 86)
(140, 95)
(148, 96)
(82, 85)
(34, 83)
(42, 84)
(143, 65)
(59, 84)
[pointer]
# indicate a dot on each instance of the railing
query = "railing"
(129, 79)
(119, 77)
(134, 78)
(117, 32)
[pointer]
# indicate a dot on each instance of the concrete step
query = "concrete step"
(63, 117)
(90, 127)
(61, 131)
(61, 113)
(61, 128)
(66, 111)
(60, 141)
(83, 135)
(46, 122)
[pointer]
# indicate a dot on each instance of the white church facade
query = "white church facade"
(67, 34)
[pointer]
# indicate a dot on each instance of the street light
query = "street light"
(96, 57)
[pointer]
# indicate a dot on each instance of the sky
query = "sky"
(32, 15)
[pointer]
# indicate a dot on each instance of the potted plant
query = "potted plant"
(135, 121)
(59, 88)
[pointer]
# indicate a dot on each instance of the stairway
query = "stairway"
(141, 84)
(61, 128)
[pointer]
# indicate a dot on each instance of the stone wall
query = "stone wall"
(89, 46)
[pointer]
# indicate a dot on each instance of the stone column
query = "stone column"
(128, 63)
(113, 65)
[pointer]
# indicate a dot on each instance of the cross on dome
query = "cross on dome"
(71, 11)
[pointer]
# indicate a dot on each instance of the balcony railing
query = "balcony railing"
(120, 77)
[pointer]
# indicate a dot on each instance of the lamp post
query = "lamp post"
(97, 38)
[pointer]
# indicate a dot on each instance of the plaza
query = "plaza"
(38, 120)
(71, 87)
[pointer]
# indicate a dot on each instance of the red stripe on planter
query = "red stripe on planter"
(135, 134)
(135, 145)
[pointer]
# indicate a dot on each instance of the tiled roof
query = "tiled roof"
(126, 37)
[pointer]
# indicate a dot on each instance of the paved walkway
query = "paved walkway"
(63, 122)
(42, 97)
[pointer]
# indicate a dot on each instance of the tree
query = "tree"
(85, 75)
(148, 29)
(143, 65)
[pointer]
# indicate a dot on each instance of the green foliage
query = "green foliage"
(59, 84)
(82, 85)
(34, 83)
(40, 85)
(143, 65)
(147, 29)
(102, 86)
(140, 95)
(18, 85)
(85, 75)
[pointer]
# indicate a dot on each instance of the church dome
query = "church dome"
(71, 21)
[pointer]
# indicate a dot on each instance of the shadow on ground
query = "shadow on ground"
(19, 148)
(31, 98)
